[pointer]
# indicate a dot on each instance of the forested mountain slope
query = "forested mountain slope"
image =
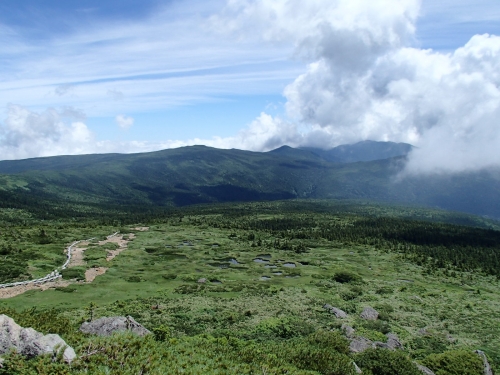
(199, 174)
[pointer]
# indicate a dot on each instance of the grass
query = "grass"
(430, 310)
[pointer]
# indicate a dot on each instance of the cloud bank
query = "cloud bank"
(366, 80)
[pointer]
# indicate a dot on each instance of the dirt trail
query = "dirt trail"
(92, 273)
(77, 259)
(118, 240)
(77, 254)
(16, 290)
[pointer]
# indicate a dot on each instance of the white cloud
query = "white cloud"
(124, 122)
(365, 80)
(26, 134)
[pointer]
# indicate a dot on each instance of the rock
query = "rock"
(348, 330)
(369, 313)
(107, 326)
(393, 342)
(487, 368)
(202, 280)
(360, 344)
(337, 312)
(425, 370)
(29, 342)
(357, 369)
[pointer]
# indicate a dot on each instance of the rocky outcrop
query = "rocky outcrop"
(360, 344)
(336, 311)
(369, 313)
(29, 342)
(107, 326)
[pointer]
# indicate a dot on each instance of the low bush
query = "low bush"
(454, 362)
(344, 277)
(77, 273)
(386, 362)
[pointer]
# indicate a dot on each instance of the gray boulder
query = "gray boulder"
(369, 313)
(393, 342)
(29, 342)
(337, 312)
(360, 344)
(107, 326)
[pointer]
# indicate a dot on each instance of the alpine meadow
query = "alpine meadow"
(261, 187)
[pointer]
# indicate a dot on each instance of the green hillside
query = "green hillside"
(199, 174)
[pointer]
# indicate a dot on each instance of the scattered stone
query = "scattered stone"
(393, 342)
(360, 344)
(107, 326)
(29, 342)
(425, 370)
(337, 312)
(348, 330)
(487, 368)
(369, 313)
(357, 369)
(202, 280)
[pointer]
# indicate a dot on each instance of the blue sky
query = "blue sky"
(141, 75)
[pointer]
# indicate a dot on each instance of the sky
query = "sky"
(90, 76)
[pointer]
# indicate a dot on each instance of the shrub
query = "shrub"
(344, 277)
(77, 273)
(454, 362)
(169, 276)
(134, 279)
(386, 362)
(377, 325)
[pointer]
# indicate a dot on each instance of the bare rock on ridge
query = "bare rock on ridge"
(107, 326)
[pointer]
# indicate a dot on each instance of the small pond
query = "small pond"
(260, 260)
(289, 265)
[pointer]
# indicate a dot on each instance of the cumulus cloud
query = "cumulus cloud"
(124, 122)
(26, 134)
(365, 79)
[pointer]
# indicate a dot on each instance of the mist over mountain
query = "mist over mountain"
(362, 151)
(200, 174)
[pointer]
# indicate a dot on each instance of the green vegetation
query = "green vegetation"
(70, 186)
(240, 288)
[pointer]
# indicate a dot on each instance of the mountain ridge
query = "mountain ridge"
(201, 174)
